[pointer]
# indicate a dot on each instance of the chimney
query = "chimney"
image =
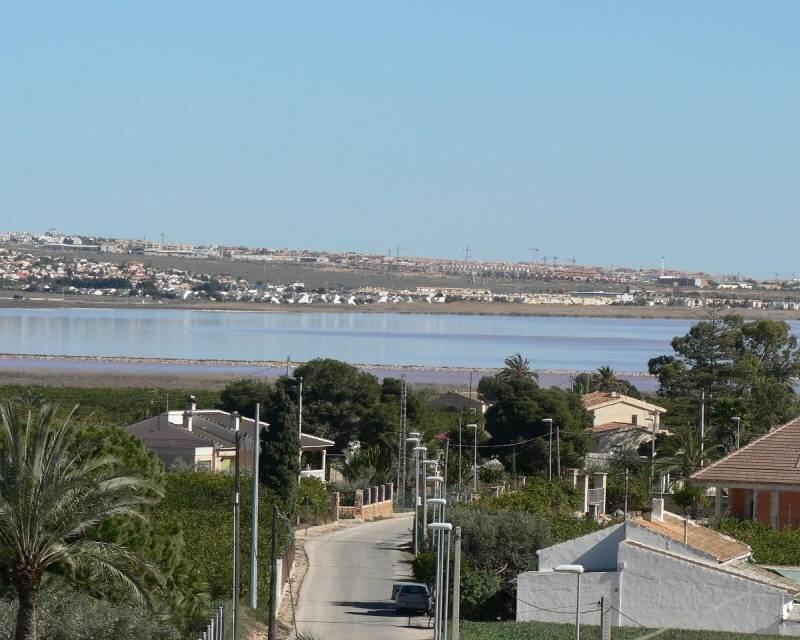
(192, 404)
(187, 420)
(615, 394)
(235, 421)
(658, 510)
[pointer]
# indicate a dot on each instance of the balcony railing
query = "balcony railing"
(597, 496)
(319, 474)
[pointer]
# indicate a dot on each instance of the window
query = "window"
(635, 419)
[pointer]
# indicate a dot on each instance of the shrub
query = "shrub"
(483, 596)
(770, 546)
(424, 567)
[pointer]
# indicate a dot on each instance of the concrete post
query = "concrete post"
(585, 493)
(382, 493)
(334, 506)
(718, 502)
(600, 483)
(278, 583)
(456, 587)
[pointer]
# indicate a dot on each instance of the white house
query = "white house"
(620, 422)
(205, 439)
(659, 572)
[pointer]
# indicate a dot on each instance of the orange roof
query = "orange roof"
(708, 541)
(772, 459)
(597, 397)
(613, 426)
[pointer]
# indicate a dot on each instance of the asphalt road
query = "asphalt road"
(346, 592)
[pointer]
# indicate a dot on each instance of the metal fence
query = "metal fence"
(215, 630)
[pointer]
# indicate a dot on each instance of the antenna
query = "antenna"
(468, 252)
(663, 258)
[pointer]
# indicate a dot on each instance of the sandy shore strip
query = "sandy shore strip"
(39, 301)
(85, 371)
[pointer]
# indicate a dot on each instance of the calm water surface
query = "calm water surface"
(387, 338)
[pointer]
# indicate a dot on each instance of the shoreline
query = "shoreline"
(275, 364)
(450, 308)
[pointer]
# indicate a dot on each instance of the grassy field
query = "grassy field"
(551, 631)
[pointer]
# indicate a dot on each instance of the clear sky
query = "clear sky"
(610, 132)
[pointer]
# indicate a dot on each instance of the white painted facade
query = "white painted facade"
(656, 581)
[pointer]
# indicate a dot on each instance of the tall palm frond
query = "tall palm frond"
(53, 492)
(516, 367)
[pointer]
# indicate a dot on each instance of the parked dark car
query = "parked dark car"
(413, 598)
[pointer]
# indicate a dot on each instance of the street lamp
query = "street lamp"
(577, 569)
(738, 422)
(441, 503)
(549, 421)
(437, 480)
(417, 449)
(442, 581)
(475, 456)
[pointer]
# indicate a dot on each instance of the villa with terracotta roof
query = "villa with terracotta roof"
(205, 440)
(762, 478)
(620, 422)
(664, 572)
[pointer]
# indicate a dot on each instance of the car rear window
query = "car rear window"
(414, 590)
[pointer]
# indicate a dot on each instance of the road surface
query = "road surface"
(346, 592)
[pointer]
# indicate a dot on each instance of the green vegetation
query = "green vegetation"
(553, 631)
(53, 493)
(107, 407)
(744, 368)
(770, 546)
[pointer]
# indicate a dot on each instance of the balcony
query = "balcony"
(319, 474)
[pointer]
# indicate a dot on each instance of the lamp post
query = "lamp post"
(474, 457)
(437, 480)
(414, 442)
(549, 422)
(434, 464)
(576, 569)
(738, 422)
(442, 581)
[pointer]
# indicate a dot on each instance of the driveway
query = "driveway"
(346, 592)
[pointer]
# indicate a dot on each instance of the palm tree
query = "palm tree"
(606, 380)
(517, 368)
(53, 492)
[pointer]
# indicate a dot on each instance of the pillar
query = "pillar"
(585, 493)
(718, 502)
(600, 483)
(755, 505)
(773, 509)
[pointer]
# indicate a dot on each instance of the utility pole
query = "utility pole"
(273, 586)
(702, 423)
(626, 492)
(254, 524)
(288, 365)
(549, 421)
(558, 451)
(460, 477)
(236, 540)
(402, 465)
(456, 586)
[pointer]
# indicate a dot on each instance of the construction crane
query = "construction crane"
(555, 260)
(398, 249)
(535, 252)
(573, 261)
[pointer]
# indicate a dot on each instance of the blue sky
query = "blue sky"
(610, 132)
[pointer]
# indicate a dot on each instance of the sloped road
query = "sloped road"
(346, 592)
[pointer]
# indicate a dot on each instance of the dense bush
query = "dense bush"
(313, 502)
(501, 541)
(424, 567)
(770, 546)
(67, 615)
(484, 597)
